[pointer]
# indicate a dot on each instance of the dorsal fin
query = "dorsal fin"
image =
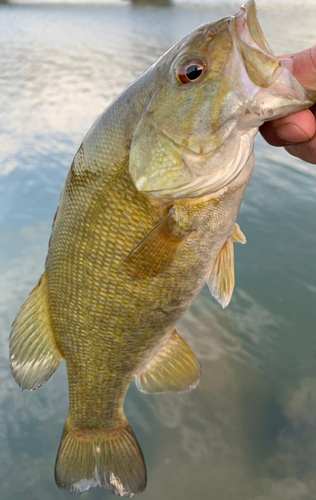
(157, 249)
(34, 355)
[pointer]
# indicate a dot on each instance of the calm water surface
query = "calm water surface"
(248, 432)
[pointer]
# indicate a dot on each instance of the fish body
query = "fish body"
(147, 216)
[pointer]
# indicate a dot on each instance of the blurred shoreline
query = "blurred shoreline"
(263, 4)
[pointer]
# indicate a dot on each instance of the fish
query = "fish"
(146, 218)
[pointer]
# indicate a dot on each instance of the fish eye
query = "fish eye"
(191, 70)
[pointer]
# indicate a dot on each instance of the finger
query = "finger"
(297, 128)
(305, 151)
(303, 67)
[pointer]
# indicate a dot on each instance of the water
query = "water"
(248, 432)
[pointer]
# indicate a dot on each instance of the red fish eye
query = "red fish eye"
(191, 71)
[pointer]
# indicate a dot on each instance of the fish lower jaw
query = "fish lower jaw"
(285, 96)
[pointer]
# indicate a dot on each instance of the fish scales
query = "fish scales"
(110, 308)
(147, 216)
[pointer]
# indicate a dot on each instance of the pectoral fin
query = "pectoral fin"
(157, 250)
(221, 281)
(174, 368)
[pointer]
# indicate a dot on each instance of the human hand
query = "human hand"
(297, 132)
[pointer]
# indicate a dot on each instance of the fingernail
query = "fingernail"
(291, 133)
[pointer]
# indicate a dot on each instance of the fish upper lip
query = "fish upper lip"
(175, 142)
(186, 148)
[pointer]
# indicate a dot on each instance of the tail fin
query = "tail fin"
(89, 458)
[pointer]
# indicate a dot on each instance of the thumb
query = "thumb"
(303, 67)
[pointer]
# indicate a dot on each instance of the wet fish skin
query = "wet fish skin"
(147, 214)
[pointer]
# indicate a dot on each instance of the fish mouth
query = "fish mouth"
(261, 65)
(274, 89)
(246, 24)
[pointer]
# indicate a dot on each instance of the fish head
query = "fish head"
(211, 92)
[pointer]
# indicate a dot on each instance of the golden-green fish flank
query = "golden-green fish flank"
(147, 216)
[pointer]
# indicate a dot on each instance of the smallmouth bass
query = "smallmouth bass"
(147, 216)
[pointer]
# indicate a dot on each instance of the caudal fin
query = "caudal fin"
(90, 458)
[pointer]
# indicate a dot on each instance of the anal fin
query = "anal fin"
(173, 368)
(34, 355)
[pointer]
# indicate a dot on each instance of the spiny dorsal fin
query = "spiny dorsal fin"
(221, 281)
(173, 368)
(157, 250)
(34, 355)
(238, 236)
